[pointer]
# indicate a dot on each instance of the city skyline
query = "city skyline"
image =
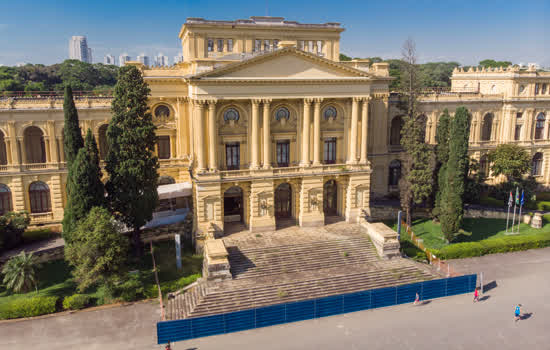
(467, 33)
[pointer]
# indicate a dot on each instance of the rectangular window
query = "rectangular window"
(233, 155)
(519, 115)
(257, 45)
(163, 147)
(319, 47)
(266, 45)
(329, 151)
(210, 45)
(283, 153)
(517, 133)
(536, 89)
(230, 45)
(220, 45)
(300, 44)
(275, 44)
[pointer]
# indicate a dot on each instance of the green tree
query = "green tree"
(12, 226)
(452, 210)
(130, 163)
(344, 57)
(19, 273)
(86, 189)
(72, 135)
(442, 156)
(98, 250)
(494, 64)
(416, 183)
(509, 160)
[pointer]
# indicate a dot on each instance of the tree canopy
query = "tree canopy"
(509, 160)
(494, 64)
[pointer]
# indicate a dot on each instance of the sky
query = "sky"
(465, 31)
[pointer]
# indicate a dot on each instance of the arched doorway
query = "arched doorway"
(283, 201)
(39, 197)
(5, 199)
(233, 205)
(395, 131)
(35, 149)
(487, 127)
(3, 154)
(330, 198)
(536, 164)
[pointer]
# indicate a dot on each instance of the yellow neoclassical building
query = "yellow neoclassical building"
(263, 126)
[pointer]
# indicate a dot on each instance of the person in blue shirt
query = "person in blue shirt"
(517, 313)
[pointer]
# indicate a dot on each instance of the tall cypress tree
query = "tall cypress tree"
(86, 189)
(457, 169)
(442, 154)
(72, 135)
(131, 163)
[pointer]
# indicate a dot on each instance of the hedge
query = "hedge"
(493, 245)
(76, 302)
(28, 307)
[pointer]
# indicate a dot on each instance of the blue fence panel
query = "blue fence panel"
(240, 320)
(329, 306)
(208, 325)
(407, 292)
(383, 297)
(299, 311)
(433, 289)
(270, 315)
(303, 310)
(357, 301)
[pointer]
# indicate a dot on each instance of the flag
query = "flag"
(522, 197)
(510, 200)
(517, 196)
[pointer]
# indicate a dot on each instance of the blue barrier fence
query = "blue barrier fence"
(177, 330)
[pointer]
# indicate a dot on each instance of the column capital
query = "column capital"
(212, 102)
(308, 100)
(182, 99)
(256, 101)
(318, 100)
(266, 101)
(357, 99)
(199, 102)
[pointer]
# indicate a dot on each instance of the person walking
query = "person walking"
(416, 299)
(517, 313)
(476, 295)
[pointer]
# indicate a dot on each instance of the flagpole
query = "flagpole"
(514, 217)
(508, 217)
(520, 205)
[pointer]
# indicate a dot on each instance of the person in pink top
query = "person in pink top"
(476, 295)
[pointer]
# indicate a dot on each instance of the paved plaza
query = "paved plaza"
(450, 323)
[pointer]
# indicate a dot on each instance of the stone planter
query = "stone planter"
(536, 222)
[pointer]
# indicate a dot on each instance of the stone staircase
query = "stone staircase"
(281, 274)
(249, 263)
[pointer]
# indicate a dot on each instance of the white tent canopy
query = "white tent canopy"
(182, 189)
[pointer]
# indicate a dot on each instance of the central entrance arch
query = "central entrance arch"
(283, 201)
(233, 205)
(330, 198)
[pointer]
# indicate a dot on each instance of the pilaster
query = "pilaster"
(305, 132)
(262, 206)
(311, 202)
(212, 152)
(317, 131)
(255, 163)
(364, 130)
(267, 134)
(352, 159)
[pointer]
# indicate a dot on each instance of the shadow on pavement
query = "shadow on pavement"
(491, 285)
(425, 302)
(485, 297)
(526, 316)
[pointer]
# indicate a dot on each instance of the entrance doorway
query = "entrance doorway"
(330, 198)
(283, 201)
(233, 205)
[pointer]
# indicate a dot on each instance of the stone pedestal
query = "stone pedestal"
(357, 196)
(536, 222)
(216, 264)
(384, 238)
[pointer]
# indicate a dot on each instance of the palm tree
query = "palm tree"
(19, 273)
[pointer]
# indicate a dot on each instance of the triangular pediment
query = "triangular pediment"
(288, 63)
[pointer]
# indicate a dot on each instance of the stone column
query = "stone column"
(62, 149)
(305, 132)
(53, 142)
(364, 130)
(47, 149)
(199, 114)
(352, 157)
(254, 164)
(21, 149)
(317, 131)
(14, 147)
(212, 160)
(267, 134)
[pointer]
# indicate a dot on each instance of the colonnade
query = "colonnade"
(357, 153)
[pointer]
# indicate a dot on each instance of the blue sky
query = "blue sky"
(463, 31)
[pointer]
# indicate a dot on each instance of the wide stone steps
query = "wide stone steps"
(224, 300)
(257, 262)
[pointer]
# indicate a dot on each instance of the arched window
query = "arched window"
(166, 180)
(329, 113)
(5, 199)
(543, 90)
(103, 145)
(539, 126)
(231, 114)
(487, 127)
(536, 165)
(282, 113)
(162, 112)
(395, 131)
(35, 149)
(395, 172)
(484, 165)
(39, 195)
(3, 154)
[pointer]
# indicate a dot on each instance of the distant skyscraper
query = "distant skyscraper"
(161, 60)
(109, 59)
(143, 59)
(122, 59)
(79, 50)
(178, 59)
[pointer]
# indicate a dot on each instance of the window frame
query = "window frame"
(329, 150)
(233, 155)
(283, 153)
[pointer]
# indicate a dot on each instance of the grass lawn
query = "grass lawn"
(474, 230)
(55, 277)
(31, 236)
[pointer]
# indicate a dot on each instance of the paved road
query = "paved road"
(450, 323)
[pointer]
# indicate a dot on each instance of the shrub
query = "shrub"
(76, 302)
(31, 236)
(493, 245)
(35, 306)
(20, 273)
(132, 289)
(12, 226)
